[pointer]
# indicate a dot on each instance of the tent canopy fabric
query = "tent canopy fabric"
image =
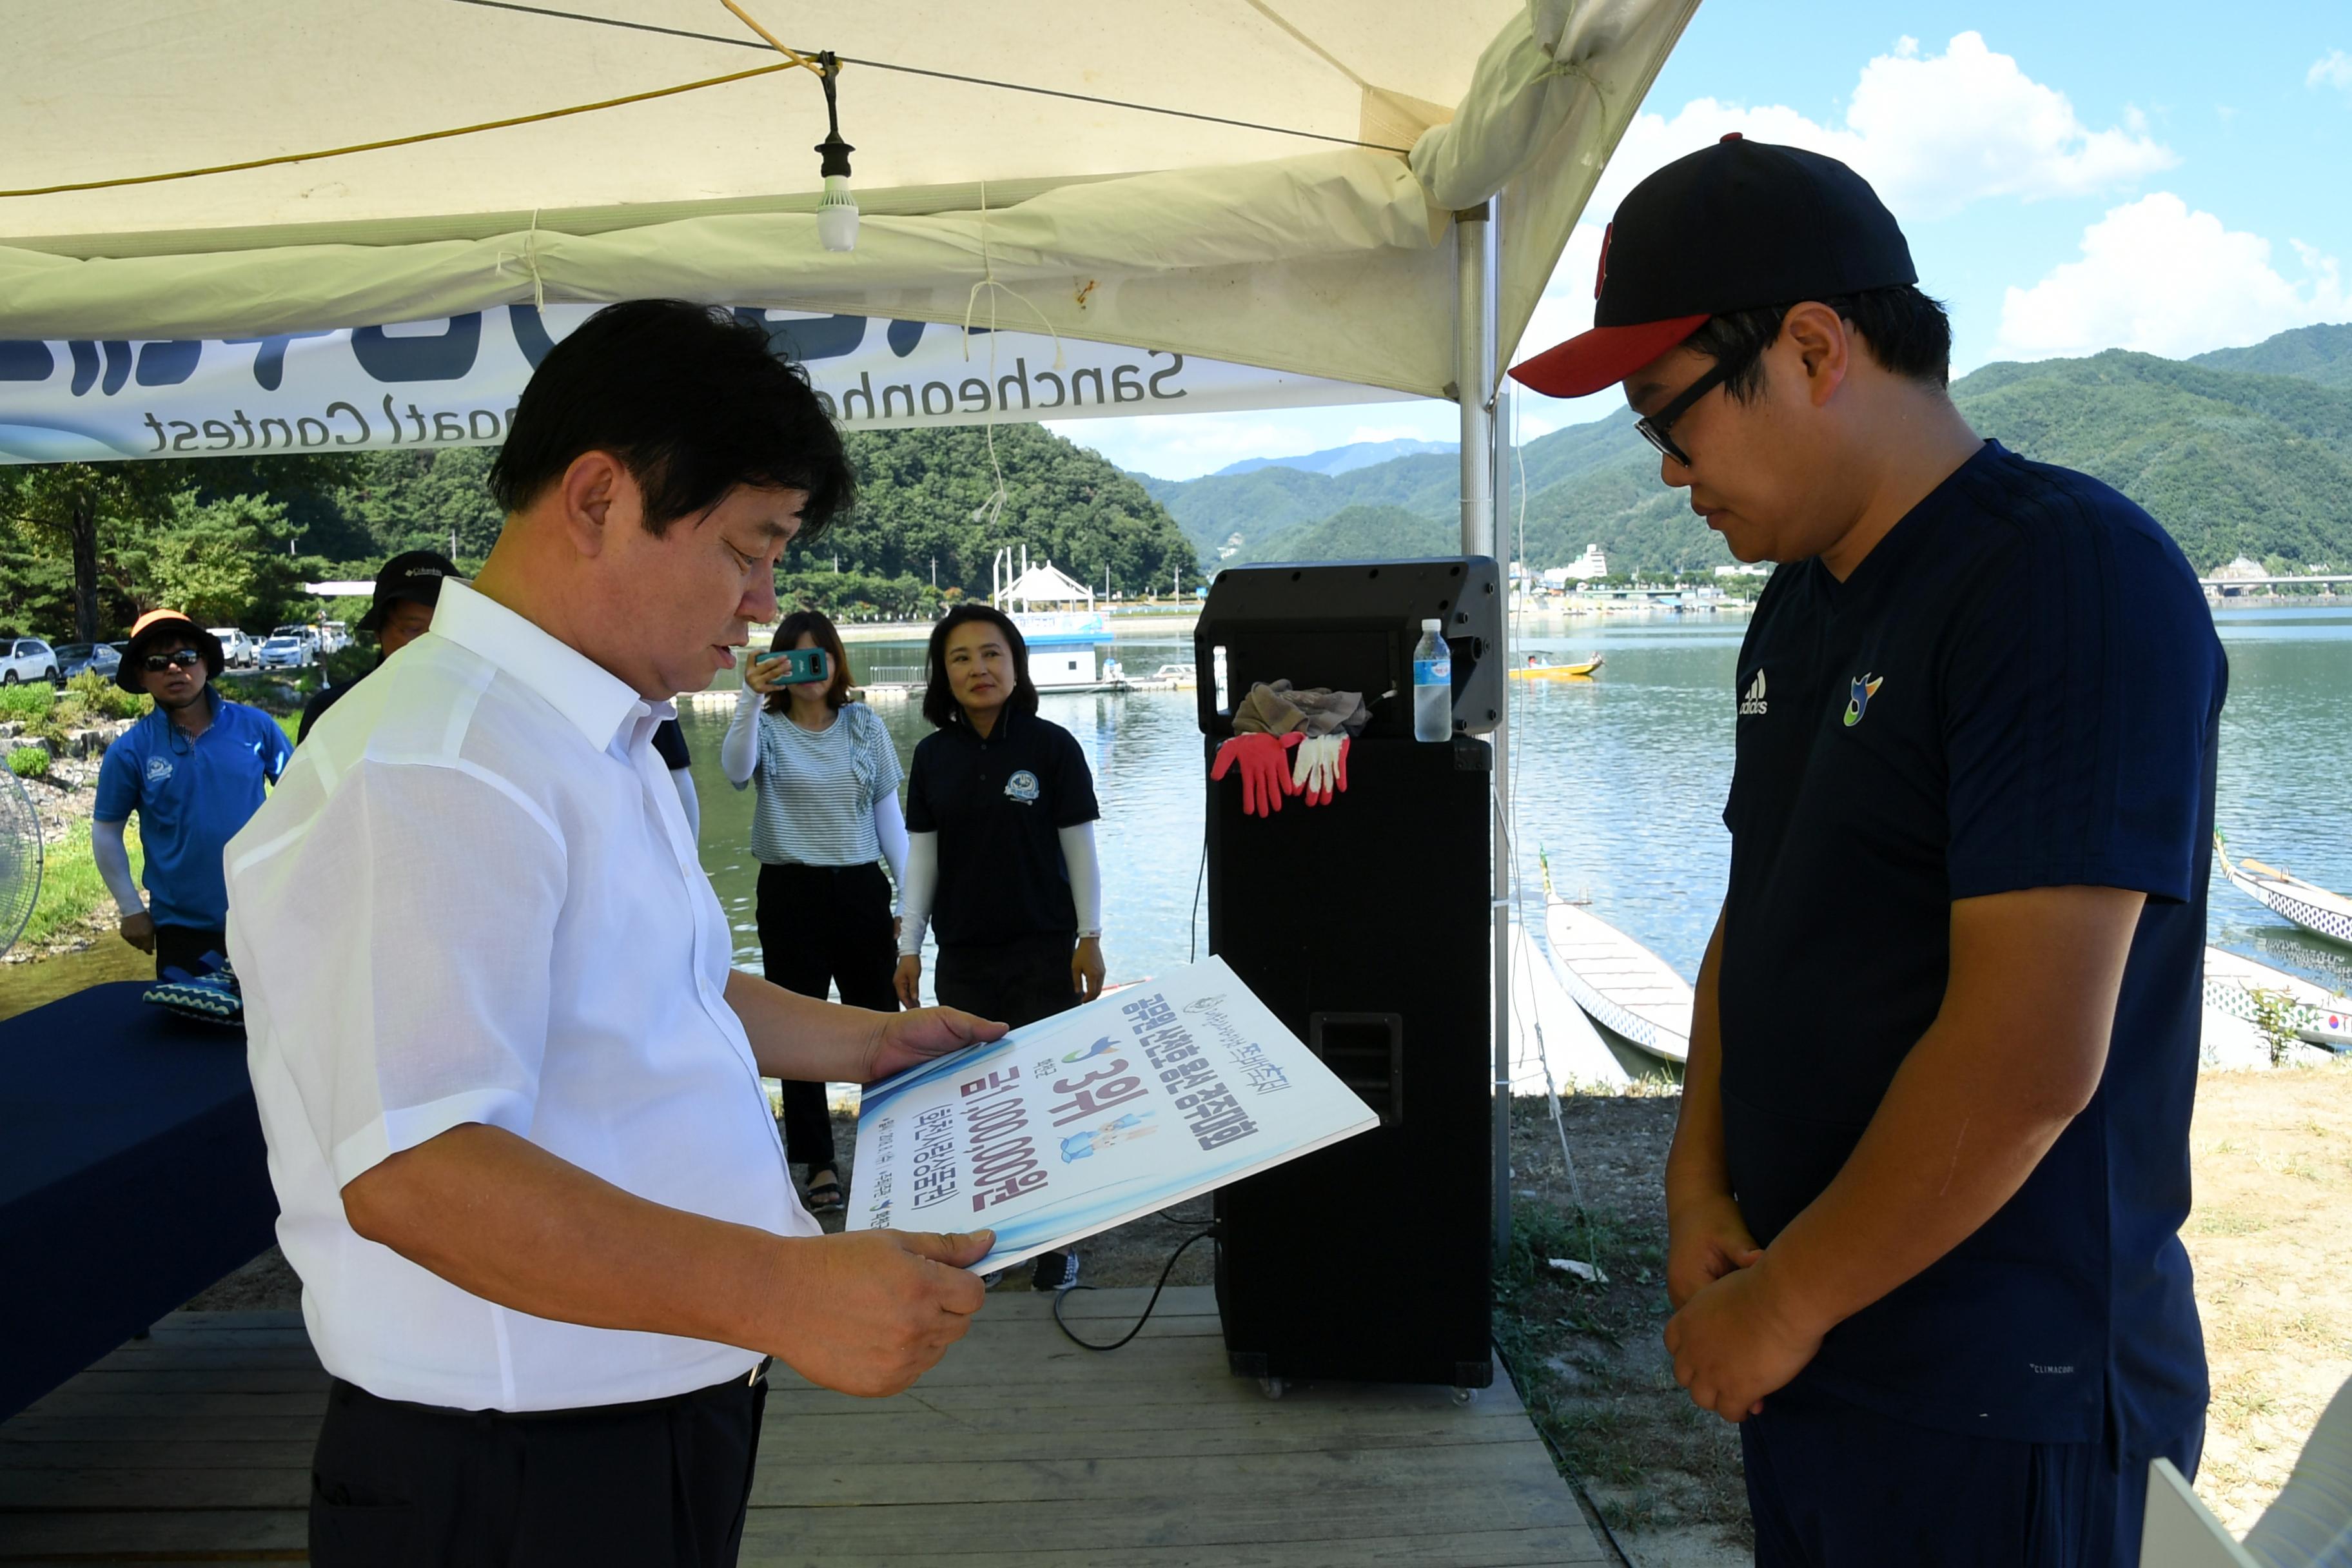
(1268, 182)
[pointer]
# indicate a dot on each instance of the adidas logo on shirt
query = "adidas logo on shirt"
(1752, 701)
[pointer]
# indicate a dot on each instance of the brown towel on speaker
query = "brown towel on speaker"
(1277, 708)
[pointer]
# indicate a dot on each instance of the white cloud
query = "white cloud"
(2157, 277)
(1932, 134)
(2331, 69)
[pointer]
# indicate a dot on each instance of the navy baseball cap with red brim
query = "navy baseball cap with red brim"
(1740, 226)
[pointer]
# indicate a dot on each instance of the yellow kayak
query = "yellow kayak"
(1556, 671)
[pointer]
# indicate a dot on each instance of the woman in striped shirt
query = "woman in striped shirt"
(827, 813)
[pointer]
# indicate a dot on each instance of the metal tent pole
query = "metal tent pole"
(1478, 259)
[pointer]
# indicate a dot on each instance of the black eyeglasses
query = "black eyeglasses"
(1653, 428)
(186, 658)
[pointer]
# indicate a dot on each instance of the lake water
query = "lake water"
(1619, 781)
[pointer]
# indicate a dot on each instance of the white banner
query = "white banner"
(454, 383)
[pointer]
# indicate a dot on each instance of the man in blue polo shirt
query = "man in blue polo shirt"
(1932, 1151)
(195, 771)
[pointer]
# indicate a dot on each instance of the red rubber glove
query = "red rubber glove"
(1265, 773)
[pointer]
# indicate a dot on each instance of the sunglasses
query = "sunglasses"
(186, 658)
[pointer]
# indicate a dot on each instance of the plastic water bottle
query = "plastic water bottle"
(1433, 685)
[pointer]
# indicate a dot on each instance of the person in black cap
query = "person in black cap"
(1932, 1151)
(406, 589)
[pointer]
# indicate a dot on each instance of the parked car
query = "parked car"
(73, 658)
(283, 653)
(333, 636)
(29, 658)
(237, 648)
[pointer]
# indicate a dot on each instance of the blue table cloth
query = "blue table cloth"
(132, 1176)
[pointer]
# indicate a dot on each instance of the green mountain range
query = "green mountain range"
(2242, 451)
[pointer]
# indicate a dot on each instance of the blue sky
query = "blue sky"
(2073, 175)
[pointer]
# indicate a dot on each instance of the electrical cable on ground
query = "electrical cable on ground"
(1148, 1306)
(1513, 698)
(1198, 877)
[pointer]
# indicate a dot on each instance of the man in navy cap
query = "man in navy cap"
(1933, 1154)
(406, 589)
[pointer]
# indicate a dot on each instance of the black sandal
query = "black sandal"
(824, 1196)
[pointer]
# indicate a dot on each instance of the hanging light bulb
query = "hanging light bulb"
(836, 209)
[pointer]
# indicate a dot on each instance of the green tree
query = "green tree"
(68, 506)
(422, 500)
(924, 503)
(223, 562)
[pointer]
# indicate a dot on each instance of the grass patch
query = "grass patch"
(1587, 1361)
(28, 699)
(2227, 1222)
(50, 717)
(29, 762)
(71, 888)
(290, 723)
(98, 697)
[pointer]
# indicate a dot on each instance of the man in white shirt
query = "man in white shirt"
(509, 1081)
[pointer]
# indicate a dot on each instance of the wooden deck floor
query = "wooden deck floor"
(1019, 1449)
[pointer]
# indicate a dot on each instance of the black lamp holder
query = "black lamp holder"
(833, 150)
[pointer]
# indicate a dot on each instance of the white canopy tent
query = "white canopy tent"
(1365, 191)
(1255, 205)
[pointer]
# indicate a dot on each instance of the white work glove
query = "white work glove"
(1319, 768)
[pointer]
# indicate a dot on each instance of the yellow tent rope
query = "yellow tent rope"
(422, 136)
(783, 48)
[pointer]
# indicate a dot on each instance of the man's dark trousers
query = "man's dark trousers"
(1831, 1484)
(660, 1484)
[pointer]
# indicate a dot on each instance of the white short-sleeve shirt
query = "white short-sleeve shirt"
(473, 898)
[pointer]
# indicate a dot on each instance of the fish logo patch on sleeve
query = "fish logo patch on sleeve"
(1865, 687)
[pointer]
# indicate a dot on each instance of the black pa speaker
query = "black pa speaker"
(1364, 926)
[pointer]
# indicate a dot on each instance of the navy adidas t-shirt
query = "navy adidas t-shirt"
(2018, 688)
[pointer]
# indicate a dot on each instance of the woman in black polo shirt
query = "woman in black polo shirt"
(1001, 845)
(1000, 819)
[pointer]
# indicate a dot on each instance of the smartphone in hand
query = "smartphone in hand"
(801, 666)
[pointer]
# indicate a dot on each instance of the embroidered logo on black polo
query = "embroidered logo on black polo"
(1751, 702)
(1022, 787)
(1857, 702)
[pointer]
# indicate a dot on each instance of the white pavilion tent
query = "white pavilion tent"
(1045, 584)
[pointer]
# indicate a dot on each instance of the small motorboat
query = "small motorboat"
(2308, 905)
(1628, 990)
(1181, 676)
(1537, 669)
